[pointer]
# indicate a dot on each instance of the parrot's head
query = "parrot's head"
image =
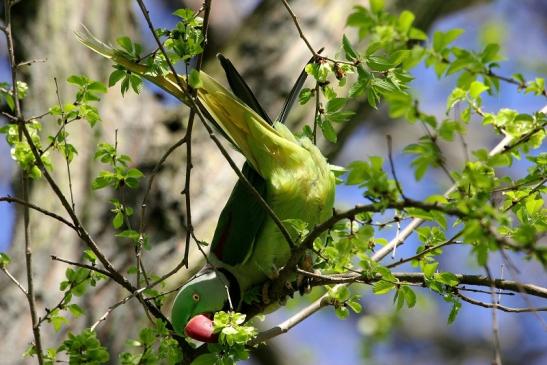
(197, 302)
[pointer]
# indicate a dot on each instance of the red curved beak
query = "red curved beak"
(200, 328)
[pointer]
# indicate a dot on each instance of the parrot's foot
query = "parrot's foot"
(289, 293)
(303, 281)
(266, 293)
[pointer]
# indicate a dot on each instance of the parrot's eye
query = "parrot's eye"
(195, 296)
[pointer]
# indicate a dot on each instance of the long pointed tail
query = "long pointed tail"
(249, 132)
(166, 82)
(89, 40)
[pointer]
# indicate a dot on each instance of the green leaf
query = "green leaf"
(455, 97)
(376, 5)
(58, 322)
(355, 306)
(194, 80)
(10, 101)
(305, 95)
(117, 222)
(334, 105)
(340, 293)
(328, 130)
(77, 80)
(476, 89)
(379, 64)
(75, 310)
(116, 76)
(447, 278)
(454, 312)
(90, 256)
(125, 43)
(410, 296)
(84, 348)
(443, 39)
(490, 53)
(96, 86)
(342, 312)
(186, 14)
(382, 287)
(351, 54)
(136, 83)
(129, 234)
(406, 18)
(537, 86)
(429, 269)
(357, 89)
(339, 117)
(4, 260)
(205, 359)
(417, 34)
(101, 182)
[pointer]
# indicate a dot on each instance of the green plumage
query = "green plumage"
(290, 173)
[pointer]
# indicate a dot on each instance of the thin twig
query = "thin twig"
(534, 189)
(317, 113)
(12, 199)
(285, 326)
(502, 308)
(24, 185)
(30, 62)
(84, 266)
(63, 128)
(392, 165)
(111, 308)
(14, 280)
(495, 326)
(449, 241)
(62, 302)
(300, 32)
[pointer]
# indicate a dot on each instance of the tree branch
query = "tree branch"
(12, 199)
(498, 306)
(20, 120)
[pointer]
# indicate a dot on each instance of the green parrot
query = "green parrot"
(290, 173)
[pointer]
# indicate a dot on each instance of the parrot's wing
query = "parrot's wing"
(243, 216)
(240, 221)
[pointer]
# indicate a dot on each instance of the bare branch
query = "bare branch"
(14, 280)
(449, 241)
(403, 278)
(112, 307)
(24, 184)
(495, 326)
(85, 266)
(31, 62)
(299, 28)
(499, 306)
(12, 199)
(285, 326)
